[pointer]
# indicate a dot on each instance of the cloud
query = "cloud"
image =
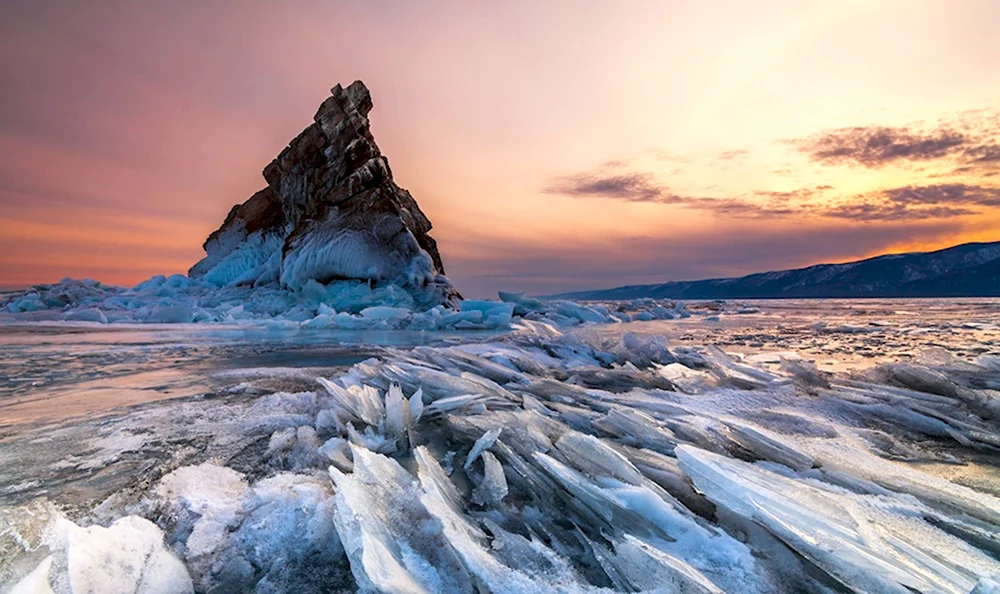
(945, 193)
(937, 201)
(644, 187)
(631, 187)
(888, 211)
(984, 153)
(732, 155)
(971, 138)
(878, 146)
(906, 203)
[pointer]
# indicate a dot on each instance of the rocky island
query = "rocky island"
(331, 211)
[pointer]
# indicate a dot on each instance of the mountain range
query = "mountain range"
(967, 270)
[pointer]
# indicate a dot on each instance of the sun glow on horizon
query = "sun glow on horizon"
(602, 147)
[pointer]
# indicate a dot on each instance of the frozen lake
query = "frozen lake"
(52, 370)
(806, 445)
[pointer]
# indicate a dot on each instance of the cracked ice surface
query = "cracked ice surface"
(600, 459)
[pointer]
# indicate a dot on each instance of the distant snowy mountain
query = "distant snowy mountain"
(967, 270)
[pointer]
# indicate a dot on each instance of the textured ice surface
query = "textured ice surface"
(128, 556)
(599, 458)
(240, 289)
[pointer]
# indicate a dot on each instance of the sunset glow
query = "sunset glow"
(553, 147)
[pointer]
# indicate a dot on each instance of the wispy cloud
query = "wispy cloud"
(876, 146)
(984, 153)
(907, 203)
(644, 187)
(732, 155)
(938, 201)
(973, 137)
(631, 187)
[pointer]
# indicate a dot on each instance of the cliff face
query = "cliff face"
(331, 211)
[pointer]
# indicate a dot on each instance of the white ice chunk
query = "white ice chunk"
(391, 545)
(36, 582)
(416, 406)
(453, 403)
(468, 542)
(770, 446)
(362, 402)
(89, 314)
(396, 412)
(177, 314)
(214, 494)
(494, 486)
(647, 568)
(129, 556)
(384, 312)
(594, 458)
(482, 444)
(868, 543)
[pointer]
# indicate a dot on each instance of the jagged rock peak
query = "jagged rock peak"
(331, 211)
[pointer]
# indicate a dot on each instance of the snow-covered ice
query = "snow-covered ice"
(772, 451)
(226, 296)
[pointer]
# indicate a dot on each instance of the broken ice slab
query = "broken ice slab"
(865, 542)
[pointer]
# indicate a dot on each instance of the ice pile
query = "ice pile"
(180, 299)
(342, 304)
(589, 462)
(128, 556)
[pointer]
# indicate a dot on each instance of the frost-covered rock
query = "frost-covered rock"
(331, 210)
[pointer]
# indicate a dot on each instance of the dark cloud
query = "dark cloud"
(643, 187)
(945, 194)
(971, 138)
(888, 211)
(937, 201)
(907, 203)
(984, 153)
(631, 187)
(878, 146)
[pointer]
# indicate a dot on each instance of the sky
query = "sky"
(554, 145)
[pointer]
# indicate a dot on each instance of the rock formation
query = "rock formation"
(331, 211)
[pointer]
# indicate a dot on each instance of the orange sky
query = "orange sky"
(554, 145)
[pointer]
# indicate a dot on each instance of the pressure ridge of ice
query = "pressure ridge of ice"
(546, 461)
(341, 304)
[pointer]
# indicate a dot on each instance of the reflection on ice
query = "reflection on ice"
(600, 459)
